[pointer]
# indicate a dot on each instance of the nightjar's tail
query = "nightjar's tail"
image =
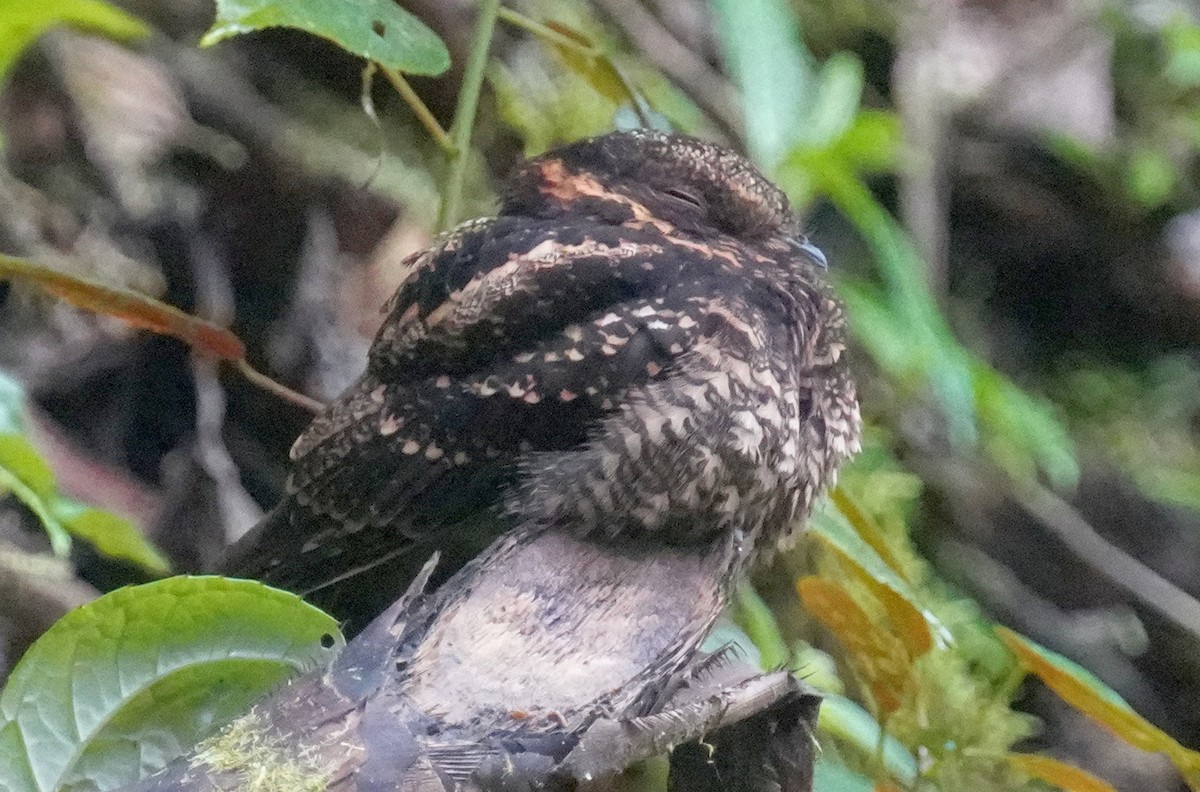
(279, 552)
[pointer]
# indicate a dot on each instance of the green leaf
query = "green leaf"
(935, 358)
(843, 718)
(378, 30)
(1151, 176)
(753, 616)
(1024, 434)
(880, 330)
(835, 101)
(121, 686)
(1182, 40)
(764, 54)
(113, 536)
(26, 475)
(908, 620)
(871, 144)
(12, 405)
(21, 459)
(17, 455)
(831, 777)
(23, 21)
(829, 525)
(590, 62)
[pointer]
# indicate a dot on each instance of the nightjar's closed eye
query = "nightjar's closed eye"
(692, 200)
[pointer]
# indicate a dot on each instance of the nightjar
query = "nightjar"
(640, 347)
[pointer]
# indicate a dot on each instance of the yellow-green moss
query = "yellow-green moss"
(263, 761)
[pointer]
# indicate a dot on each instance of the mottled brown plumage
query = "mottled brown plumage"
(640, 347)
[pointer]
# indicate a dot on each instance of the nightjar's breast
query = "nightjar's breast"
(747, 426)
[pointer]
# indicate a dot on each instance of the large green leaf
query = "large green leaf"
(378, 30)
(22, 21)
(124, 684)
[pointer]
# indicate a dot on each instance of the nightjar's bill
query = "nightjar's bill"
(640, 347)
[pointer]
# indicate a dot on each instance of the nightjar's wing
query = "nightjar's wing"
(510, 337)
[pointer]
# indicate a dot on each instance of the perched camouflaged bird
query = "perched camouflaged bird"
(640, 347)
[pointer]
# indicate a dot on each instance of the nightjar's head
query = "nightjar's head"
(693, 185)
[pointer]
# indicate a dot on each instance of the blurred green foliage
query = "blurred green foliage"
(26, 475)
(1156, 78)
(22, 22)
(1140, 421)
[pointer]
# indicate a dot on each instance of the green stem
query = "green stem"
(517, 19)
(419, 108)
(464, 113)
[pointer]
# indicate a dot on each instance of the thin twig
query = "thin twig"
(237, 510)
(464, 113)
(1088, 637)
(419, 108)
(926, 120)
(256, 377)
(1143, 583)
(1071, 528)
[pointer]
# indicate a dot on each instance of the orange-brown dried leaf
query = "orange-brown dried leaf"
(1060, 774)
(1090, 696)
(907, 621)
(878, 657)
(130, 307)
(867, 528)
(859, 543)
